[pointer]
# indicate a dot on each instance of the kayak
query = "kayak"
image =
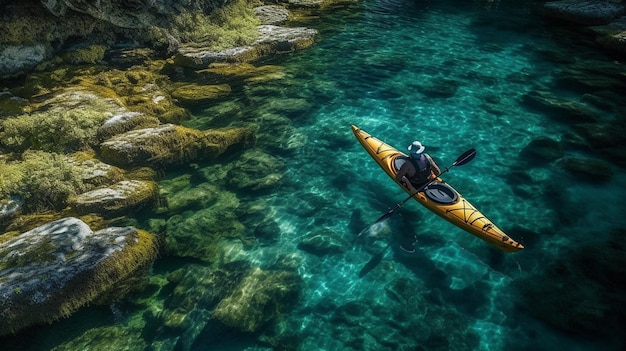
(439, 197)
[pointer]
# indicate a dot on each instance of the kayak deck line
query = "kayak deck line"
(456, 210)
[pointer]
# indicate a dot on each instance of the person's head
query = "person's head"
(416, 149)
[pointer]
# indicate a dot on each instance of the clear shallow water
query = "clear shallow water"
(372, 67)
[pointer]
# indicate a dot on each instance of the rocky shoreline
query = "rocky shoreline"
(100, 135)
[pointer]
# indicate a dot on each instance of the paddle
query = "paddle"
(374, 261)
(465, 157)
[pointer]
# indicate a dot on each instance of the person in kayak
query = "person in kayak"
(418, 169)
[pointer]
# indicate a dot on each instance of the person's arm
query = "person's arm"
(401, 175)
(434, 168)
(402, 178)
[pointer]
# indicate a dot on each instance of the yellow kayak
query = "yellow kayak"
(439, 197)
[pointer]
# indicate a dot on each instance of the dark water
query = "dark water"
(453, 75)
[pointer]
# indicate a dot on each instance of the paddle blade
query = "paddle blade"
(373, 262)
(466, 157)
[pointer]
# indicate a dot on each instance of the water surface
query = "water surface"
(451, 75)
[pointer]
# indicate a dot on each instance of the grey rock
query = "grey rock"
(122, 197)
(52, 270)
(584, 12)
(271, 14)
(16, 58)
(272, 40)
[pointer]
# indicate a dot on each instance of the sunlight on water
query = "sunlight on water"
(452, 76)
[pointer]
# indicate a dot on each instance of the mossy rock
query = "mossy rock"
(11, 105)
(242, 71)
(114, 337)
(95, 172)
(256, 170)
(124, 122)
(140, 89)
(260, 297)
(125, 197)
(51, 271)
(42, 180)
(170, 145)
(196, 93)
(198, 288)
(199, 234)
(559, 109)
(64, 123)
(323, 242)
(587, 169)
(87, 55)
(192, 197)
(271, 40)
(543, 149)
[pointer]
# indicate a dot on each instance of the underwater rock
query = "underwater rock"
(256, 170)
(199, 287)
(192, 197)
(169, 145)
(272, 40)
(602, 135)
(51, 271)
(196, 93)
(198, 234)
(614, 42)
(581, 291)
(542, 148)
(439, 88)
(271, 14)
(114, 337)
(67, 121)
(125, 197)
(587, 168)
(562, 110)
(260, 297)
(586, 76)
(592, 12)
(124, 122)
(323, 242)
(95, 172)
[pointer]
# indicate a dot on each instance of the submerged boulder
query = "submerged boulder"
(199, 93)
(542, 148)
(272, 40)
(323, 242)
(587, 168)
(260, 297)
(124, 122)
(51, 271)
(170, 145)
(122, 197)
(559, 109)
(591, 12)
(256, 170)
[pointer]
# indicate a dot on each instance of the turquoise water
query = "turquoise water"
(374, 66)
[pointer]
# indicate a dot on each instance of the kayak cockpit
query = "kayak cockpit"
(439, 192)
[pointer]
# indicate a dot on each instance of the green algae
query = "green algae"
(43, 180)
(229, 26)
(89, 55)
(109, 268)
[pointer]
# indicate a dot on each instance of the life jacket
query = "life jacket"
(422, 169)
